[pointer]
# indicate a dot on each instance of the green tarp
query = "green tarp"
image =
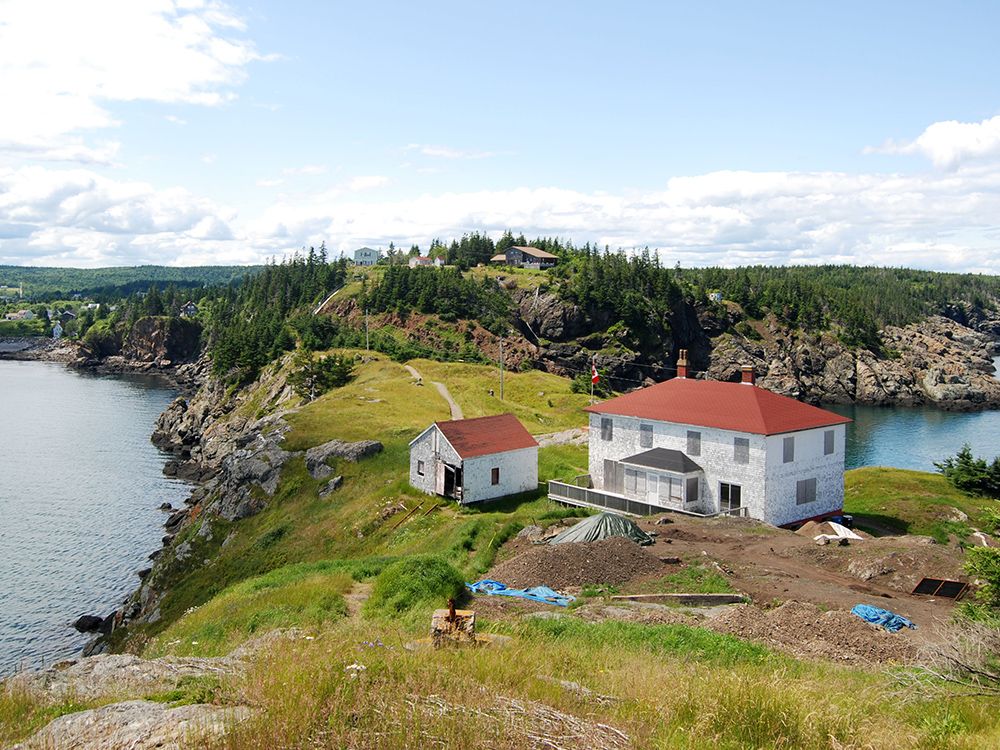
(602, 526)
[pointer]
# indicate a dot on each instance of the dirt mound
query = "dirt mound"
(648, 614)
(804, 630)
(614, 560)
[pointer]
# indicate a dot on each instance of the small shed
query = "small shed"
(472, 460)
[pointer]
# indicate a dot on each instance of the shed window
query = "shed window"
(420, 468)
(741, 450)
(645, 436)
(694, 443)
(788, 450)
(495, 475)
(828, 442)
(805, 491)
(607, 428)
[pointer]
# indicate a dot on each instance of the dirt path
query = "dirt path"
(456, 410)
(356, 598)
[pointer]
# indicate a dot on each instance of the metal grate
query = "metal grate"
(941, 587)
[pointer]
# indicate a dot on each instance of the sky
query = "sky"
(187, 132)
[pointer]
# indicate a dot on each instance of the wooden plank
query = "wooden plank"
(690, 600)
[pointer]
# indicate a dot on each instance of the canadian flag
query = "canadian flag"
(594, 377)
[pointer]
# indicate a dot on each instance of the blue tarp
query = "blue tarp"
(888, 620)
(535, 593)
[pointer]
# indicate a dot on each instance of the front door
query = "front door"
(452, 482)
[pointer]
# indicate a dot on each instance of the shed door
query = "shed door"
(614, 477)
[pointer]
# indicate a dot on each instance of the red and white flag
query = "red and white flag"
(594, 377)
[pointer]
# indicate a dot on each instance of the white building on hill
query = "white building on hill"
(710, 447)
(472, 460)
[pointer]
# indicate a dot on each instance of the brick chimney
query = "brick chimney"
(748, 376)
(682, 363)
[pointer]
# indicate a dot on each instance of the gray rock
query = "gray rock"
(137, 725)
(317, 457)
(332, 486)
(88, 623)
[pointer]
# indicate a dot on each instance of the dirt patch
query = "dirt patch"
(804, 630)
(615, 560)
(647, 614)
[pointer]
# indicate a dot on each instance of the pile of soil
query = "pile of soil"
(804, 630)
(614, 561)
(650, 614)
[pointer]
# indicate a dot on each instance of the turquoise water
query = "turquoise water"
(916, 438)
(80, 485)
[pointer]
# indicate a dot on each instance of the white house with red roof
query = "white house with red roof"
(710, 447)
(472, 460)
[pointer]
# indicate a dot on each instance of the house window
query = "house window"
(607, 428)
(741, 450)
(805, 491)
(645, 436)
(692, 489)
(694, 443)
(828, 443)
(420, 468)
(788, 450)
(495, 476)
(730, 496)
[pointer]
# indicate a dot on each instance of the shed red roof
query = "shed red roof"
(484, 435)
(740, 407)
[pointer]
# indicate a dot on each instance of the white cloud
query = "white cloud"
(367, 182)
(447, 152)
(209, 158)
(939, 220)
(61, 67)
(175, 119)
(270, 183)
(950, 143)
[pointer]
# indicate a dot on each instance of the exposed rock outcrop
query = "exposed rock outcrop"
(137, 725)
(317, 458)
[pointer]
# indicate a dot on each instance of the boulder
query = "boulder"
(88, 623)
(166, 506)
(138, 725)
(317, 457)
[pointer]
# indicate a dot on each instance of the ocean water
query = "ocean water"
(80, 487)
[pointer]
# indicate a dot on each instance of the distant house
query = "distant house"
(66, 316)
(20, 315)
(91, 306)
(57, 330)
(708, 447)
(715, 296)
(472, 460)
(366, 256)
(420, 260)
(189, 309)
(526, 257)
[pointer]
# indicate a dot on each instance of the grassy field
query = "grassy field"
(349, 680)
(913, 502)
(543, 402)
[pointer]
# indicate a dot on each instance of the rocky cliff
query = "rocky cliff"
(941, 361)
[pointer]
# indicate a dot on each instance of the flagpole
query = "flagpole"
(593, 367)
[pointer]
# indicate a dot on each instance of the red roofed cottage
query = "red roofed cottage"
(713, 447)
(472, 460)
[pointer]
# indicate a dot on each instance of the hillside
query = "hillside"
(262, 545)
(118, 281)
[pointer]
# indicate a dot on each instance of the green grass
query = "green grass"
(299, 595)
(542, 401)
(693, 578)
(911, 502)
(417, 582)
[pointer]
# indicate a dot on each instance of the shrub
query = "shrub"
(971, 474)
(413, 582)
(984, 563)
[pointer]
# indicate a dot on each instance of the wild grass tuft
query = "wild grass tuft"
(417, 582)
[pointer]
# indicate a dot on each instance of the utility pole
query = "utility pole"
(366, 331)
(501, 369)
(593, 365)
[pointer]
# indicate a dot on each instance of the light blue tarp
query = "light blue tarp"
(888, 620)
(536, 593)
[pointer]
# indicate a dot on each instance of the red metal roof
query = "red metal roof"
(484, 435)
(740, 407)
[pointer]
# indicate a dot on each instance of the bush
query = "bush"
(984, 563)
(971, 474)
(413, 582)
